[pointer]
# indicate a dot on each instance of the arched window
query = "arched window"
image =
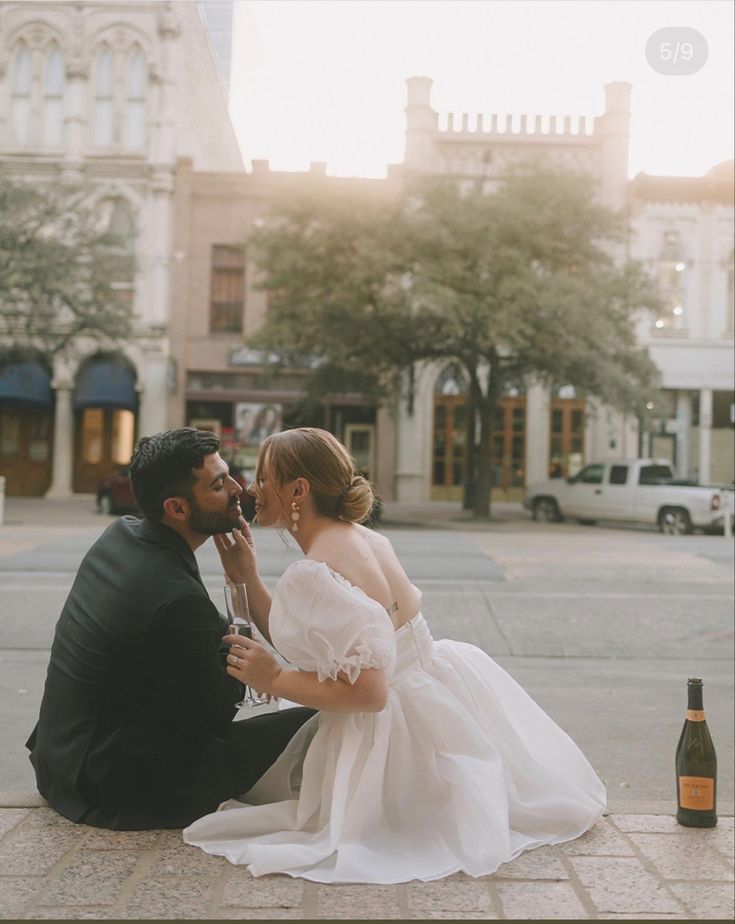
(53, 99)
(452, 381)
(135, 101)
(104, 103)
(21, 101)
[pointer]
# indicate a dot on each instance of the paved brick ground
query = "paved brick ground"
(627, 867)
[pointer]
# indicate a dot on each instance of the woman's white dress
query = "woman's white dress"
(460, 771)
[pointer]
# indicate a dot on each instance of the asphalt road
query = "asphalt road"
(601, 626)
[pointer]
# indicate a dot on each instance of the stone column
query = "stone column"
(75, 118)
(413, 441)
(705, 434)
(163, 81)
(683, 433)
(153, 395)
(537, 433)
(159, 294)
(62, 463)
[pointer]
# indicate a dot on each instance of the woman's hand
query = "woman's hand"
(250, 663)
(237, 553)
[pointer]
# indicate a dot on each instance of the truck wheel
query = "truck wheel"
(674, 521)
(546, 510)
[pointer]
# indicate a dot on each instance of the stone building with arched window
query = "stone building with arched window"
(108, 96)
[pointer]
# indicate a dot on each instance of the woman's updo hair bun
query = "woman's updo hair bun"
(318, 456)
(356, 500)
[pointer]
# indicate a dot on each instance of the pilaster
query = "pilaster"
(537, 433)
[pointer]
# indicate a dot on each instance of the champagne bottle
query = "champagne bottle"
(696, 766)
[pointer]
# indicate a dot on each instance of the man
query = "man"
(135, 729)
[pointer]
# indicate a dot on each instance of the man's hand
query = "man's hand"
(237, 553)
(250, 663)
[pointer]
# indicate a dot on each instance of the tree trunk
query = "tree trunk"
(484, 470)
(468, 501)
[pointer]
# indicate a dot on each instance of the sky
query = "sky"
(324, 80)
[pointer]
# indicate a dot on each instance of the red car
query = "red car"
(115, 495)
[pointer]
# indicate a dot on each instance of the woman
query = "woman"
(426, 758)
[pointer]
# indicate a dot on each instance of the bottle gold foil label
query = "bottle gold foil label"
(695, 715)
(697, 792)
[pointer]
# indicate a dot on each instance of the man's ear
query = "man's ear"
(177, 508)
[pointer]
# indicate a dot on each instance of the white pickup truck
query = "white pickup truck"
(634, 490)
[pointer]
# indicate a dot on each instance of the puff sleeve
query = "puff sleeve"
(320, 622)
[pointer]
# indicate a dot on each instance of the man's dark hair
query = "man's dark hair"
(162, 466)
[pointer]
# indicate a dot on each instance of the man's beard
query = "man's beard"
(210, 524)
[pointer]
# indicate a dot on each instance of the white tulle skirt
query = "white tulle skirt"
(462, 770)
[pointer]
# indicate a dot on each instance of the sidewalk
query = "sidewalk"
(628, 866)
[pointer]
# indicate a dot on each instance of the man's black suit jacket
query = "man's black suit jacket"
(137, 704)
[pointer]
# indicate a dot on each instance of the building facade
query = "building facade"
(222, 384)
(539, 433)
(129, 99)
(683, 234)
(107, 96)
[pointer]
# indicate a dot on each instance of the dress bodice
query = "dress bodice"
(414, 647)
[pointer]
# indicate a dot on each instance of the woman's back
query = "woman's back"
(368, 560)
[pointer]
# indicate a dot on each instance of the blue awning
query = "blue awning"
(105, 383)
(28, 381)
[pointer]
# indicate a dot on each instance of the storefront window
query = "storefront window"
(93, 420)
(123, 434)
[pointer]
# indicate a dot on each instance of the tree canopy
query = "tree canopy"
(57, 271)
(526, 282)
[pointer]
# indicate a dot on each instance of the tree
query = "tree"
(519, 284)
(57, 271)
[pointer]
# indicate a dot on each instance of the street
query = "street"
(601, 626)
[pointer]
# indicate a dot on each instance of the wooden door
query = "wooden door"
(25, 448)
(449, 455)
(104, 439)
(509, 444)
(566, 443)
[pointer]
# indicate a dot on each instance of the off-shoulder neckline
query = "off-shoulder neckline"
(341, 579)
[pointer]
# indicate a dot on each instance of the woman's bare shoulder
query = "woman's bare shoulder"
(373, 538)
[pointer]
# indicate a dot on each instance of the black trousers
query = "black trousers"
(173, 794)
(256, 743)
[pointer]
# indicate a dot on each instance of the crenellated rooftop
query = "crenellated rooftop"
(494, 125)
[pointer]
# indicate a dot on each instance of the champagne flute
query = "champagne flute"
(238, 616)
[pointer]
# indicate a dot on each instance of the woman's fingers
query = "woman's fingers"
(240, 641)
(223, 542)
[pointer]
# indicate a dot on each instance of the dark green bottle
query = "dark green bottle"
(696, 766)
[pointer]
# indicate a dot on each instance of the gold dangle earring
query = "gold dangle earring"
(295, 516)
